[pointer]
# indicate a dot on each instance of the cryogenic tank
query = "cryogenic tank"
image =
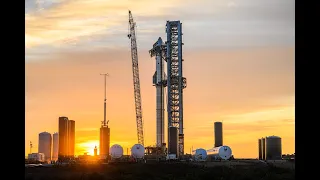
(116, 151)
(199, 154)
(44, 145)
(55, 149)
(221, 152)
(137, 151)
(273, 148)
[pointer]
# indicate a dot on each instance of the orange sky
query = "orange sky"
(239, 65)
(222, 86)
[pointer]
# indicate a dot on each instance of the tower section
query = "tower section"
(175, 81)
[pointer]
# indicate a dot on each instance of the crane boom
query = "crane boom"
(136, 80)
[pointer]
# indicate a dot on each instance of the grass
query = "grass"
(159, 172)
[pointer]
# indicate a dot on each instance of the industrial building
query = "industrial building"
(36, 157)
(270, 148)
(55, 148)
(218, 134)
(66, 137)
(44, 146)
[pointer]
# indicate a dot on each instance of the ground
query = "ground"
(178, 171)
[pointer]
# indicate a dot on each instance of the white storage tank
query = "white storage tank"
(221, 152)
(116, 151)
(199, 154)
(44, 145)
(55, 149)
(137, 151)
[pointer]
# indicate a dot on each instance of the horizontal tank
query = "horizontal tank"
(221, 152)
(199, 154)
(137, 151)
(116, 151)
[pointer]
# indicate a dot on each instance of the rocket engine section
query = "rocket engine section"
(221, 152)
(199, 155)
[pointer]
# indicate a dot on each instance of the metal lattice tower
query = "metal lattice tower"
(175, 81)
(136, 80)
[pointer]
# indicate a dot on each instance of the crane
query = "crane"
(136, 80)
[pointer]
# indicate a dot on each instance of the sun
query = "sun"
(87, 147)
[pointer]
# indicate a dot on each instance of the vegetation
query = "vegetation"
(176, 171)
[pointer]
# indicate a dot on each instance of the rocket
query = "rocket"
(159, 81)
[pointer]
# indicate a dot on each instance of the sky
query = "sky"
(238, 61)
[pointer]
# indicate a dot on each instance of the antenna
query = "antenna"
(105, 99)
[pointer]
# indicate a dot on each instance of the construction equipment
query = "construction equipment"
(136, 80)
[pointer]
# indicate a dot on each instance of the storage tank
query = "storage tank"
(218, 137)
(199, 154)
(44, 146)
(273, 148)
(116, 151)
(55, 149)
(137, 151)
(260, 148)
(221, 152)
(263, 141)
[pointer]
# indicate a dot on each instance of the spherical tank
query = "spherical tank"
(44, 146)
(137, 151)
(55, 149)
(199, 154)
(273, 148)
(116, 151)
(221, 152)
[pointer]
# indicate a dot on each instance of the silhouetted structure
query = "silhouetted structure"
(173, 147)
(104, 141)
(260, 148)
(55, 148)
(71, 132)
(263, 141)
(45, 141)
(270, 148)
(95, 151)
(66, 138)
(218, 137)
(273, 148)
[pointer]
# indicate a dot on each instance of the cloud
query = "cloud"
(82, 25)
(232, 4)
(72, 20)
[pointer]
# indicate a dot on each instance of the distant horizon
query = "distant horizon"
(238, 60)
